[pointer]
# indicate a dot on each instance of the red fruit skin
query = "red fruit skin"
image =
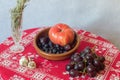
(61, 34)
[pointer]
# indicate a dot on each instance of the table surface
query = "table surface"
(55, 70)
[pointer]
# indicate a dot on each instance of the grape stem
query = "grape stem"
(84, 70)
(93, 51)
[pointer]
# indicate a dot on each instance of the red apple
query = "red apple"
(61, 34)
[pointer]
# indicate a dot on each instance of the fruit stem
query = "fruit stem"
(93, 51)
(84, 70)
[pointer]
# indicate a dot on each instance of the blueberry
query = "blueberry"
(46, 50)
(61, 51)
(50, 44)
(57, 46)
(46, 46)
(54, 50)
(50, 51)
(39, 45)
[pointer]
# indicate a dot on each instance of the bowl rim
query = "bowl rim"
(55, 55)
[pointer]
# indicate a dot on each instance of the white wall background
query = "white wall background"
(101, 17)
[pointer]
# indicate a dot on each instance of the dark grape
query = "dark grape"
(96, 62)
(79, 66)
(87, 50)
(83, 54)
(89, 62)
(72, 62)
(69, 67)
(89, 57)
(94, 55)
(77, 59)
(98, 68)
(90, 68)
(76, 67)
(44, 40)
(74, 55)
(67, 47)
(92, 74)
(102, 66)
(74, 73)
(102, 58)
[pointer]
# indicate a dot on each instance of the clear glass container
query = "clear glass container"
(16, 29)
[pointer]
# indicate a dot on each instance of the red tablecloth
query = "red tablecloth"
(55, 70)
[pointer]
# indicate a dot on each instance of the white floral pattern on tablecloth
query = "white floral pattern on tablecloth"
(16, 77)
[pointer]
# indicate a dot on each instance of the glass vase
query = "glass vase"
(16, 29)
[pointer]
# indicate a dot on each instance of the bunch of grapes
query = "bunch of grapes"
(85, 62)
